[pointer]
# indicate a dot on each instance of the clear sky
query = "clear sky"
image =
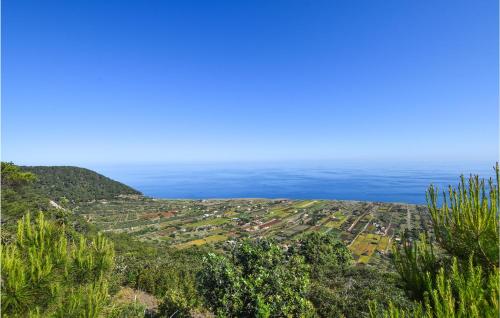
(161, 81)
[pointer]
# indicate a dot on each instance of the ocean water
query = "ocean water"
(372, 181)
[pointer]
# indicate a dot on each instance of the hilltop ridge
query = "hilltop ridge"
(76, 184)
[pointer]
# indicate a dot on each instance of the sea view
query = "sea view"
(200, 159)
(374, 181)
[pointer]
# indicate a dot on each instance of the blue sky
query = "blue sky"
(167, 81)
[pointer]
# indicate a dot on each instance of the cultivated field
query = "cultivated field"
(367, 228)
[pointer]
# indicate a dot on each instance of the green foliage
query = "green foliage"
(322, 252)
(43, 273)
(465, 281)
(462, 293)
(73, 184)
(345, 293)
(85, 301)
(159, 271)
(49, 269)
(259, 280)
(181, 301)
(91, 266)
(221, 284)
(14, 177)
(20, 195)
(393, 311)
(17, 197)
(338, 289)
(127, 310)
(467, 222)
(173, 278)
(416, 261)
(168, 274)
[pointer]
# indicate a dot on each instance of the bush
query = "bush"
(346, 293)
(323, 252)
(259, 280)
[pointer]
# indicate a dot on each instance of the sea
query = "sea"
(403, 182)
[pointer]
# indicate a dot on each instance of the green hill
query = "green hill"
(75, 184)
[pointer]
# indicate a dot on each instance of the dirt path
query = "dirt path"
(408, 218)
(369, 211)
(389, 226)
(357, 220)
(55, 205)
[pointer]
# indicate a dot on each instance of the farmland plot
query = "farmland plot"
(366, 227)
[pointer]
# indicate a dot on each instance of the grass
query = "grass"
(206, 240)
(383, 244)
(364, 259)
(279, 213)
(364, 246)
(340, 218)
(305, 204)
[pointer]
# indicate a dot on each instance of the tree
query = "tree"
(259, 280)
(322, 252)
(464, 280)
(345, 293)
(17, 199)
(44, 273)
(13, 177)
(467, 222)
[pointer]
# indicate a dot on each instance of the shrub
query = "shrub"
(45, 273)
(322, 252)
(259, 280)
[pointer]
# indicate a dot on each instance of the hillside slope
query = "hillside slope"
(76, 184)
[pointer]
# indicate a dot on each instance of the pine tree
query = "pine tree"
(465, 280)
(45, 274)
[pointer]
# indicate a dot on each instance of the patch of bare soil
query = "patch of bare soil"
(129, 295)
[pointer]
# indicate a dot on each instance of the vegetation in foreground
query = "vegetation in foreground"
(455, 273)
(55, 264)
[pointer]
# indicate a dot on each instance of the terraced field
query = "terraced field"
(367, 228)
